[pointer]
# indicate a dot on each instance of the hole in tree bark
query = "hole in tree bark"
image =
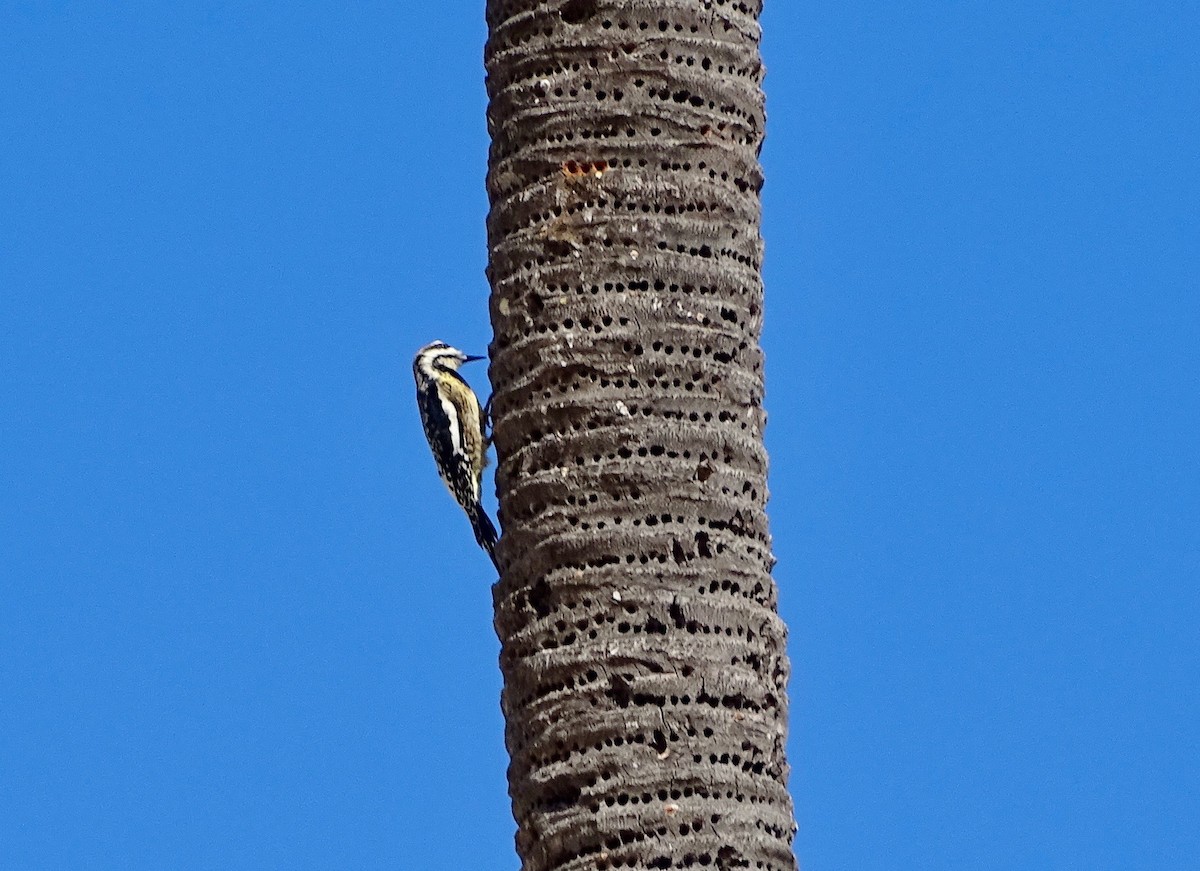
(539, 598)
(658, 741)
(561, 797)
(577, 11)
(676, 612)
(618, 690)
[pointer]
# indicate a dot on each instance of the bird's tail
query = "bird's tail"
(485, 532)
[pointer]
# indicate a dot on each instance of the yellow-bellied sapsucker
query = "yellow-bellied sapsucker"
(454, 425)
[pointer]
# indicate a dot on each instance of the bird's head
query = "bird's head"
(439, 355)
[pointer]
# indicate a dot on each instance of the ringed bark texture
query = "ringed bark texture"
(643, 658)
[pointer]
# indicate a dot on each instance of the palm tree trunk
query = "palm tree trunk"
(643, 658)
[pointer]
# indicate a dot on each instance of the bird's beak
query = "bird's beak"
(467, 358)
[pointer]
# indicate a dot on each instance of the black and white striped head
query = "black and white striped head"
(440, 357)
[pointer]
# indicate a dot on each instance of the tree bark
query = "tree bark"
(643, 659)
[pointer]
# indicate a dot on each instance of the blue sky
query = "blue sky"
(242, 624)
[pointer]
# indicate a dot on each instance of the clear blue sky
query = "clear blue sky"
(243, 626)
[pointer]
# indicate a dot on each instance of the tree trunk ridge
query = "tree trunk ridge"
(644, 662)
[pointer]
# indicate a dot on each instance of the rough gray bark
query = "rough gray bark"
(644, 663)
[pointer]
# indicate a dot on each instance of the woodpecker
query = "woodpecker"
(454, 425)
